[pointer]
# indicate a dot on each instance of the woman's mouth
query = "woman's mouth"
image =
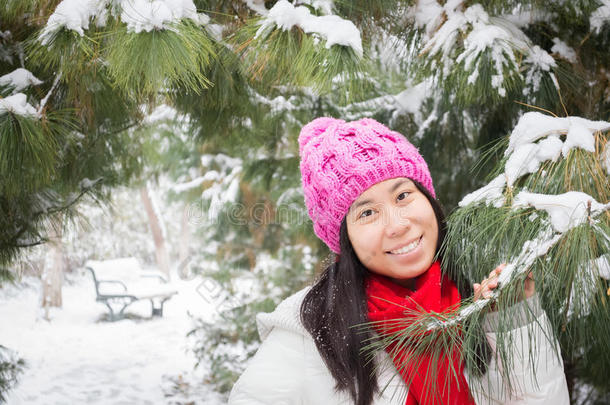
(407, 248)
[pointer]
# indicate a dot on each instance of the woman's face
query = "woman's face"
(393, 230)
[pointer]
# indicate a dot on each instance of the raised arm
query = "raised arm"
(535, 366)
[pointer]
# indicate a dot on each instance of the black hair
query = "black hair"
(337, 303)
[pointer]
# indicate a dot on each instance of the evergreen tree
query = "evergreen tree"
(10, 368)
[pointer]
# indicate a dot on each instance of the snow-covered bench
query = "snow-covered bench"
(119, 283)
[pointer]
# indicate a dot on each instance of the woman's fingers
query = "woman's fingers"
(486, 287)
(497, 270)
(477, 291)
(484, 290)
(529, 287)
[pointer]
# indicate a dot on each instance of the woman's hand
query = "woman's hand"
(484, 289)
(529, 287)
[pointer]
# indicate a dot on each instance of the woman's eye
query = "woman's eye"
(403, 195)
(366, 213)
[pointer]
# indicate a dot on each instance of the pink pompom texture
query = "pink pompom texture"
(340, 160)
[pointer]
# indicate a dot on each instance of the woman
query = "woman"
(370, 197)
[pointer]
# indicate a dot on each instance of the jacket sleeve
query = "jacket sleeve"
(275, 374)
(535, 366)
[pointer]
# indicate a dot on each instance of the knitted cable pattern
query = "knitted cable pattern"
(340, 160)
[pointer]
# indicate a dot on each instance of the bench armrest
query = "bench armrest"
(113, 282)
(153, 274)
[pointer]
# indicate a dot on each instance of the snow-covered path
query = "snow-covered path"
(74, 359)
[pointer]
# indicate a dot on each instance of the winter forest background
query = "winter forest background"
(166, 131)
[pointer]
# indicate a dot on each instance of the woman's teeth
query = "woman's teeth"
(406, 249)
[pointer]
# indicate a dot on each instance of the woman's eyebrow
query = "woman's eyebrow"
(398, 184)
(359, 204)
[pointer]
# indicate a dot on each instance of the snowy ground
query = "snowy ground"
(75, 358)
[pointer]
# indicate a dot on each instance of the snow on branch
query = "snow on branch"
(540, 63)
(17, 104)
(600, 16)
(600, 266)
(162, 112)
(19, 79)
(336, 30)
(525, 155)
(534, 125)
(492, 193)
(73, 15)
(257, 6)
(574, 205)
(606, 158)
(531, 250)
(480, 33)
(146, 15)
(564, 50)
(565, 210)
(44, 101)
(462, 36)
(325, 6)
(224, 174)
(138, 15)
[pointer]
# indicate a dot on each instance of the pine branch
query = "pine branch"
(149, 61)
(44, 101)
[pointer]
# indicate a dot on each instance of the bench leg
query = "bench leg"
(112, 316)
(158, 310)
(120, 315)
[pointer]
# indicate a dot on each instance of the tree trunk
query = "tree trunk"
(184, 251)
(156, 227)
(53, 270)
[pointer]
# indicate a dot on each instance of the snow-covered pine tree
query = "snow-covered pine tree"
(62, 129)
(93, 71)
(450, 75)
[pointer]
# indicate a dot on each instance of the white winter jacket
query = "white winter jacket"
(288, 370)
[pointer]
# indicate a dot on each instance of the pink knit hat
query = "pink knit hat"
(340, 160)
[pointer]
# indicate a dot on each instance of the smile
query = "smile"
(406, 249)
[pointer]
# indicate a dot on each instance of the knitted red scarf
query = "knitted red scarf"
(388, 300)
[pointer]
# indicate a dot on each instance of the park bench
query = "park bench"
(117, 296)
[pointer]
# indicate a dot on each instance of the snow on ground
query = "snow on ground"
(75, 358)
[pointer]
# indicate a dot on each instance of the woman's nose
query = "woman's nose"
(398, 223)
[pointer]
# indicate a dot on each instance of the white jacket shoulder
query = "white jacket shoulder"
(276, 373)
(288, 369)
(287, 316)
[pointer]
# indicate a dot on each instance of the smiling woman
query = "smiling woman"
(371, 200)
(393, 229)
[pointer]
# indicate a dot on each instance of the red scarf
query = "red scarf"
(388, 300)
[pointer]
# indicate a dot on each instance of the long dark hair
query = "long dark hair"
(337, 302)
